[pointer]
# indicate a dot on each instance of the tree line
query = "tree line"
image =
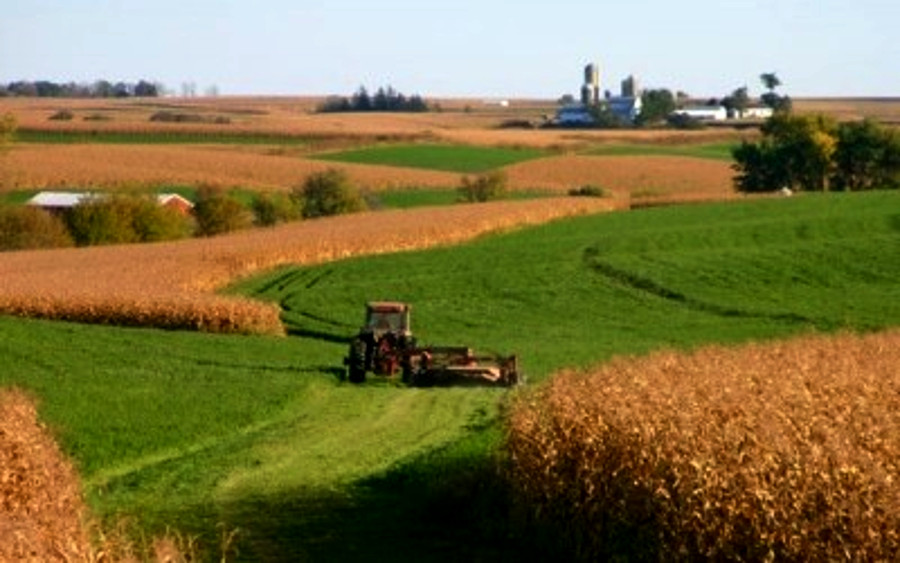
(384, 99)
(816, 153)
(97, 89)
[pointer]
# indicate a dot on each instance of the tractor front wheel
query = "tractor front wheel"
(356, 365)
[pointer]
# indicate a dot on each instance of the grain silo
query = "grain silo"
(590, 92)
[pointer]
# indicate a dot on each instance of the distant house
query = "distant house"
(757, 112)
(703, 113)
(59, 202)
(176, 202)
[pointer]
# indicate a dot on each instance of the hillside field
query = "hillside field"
(213, 433)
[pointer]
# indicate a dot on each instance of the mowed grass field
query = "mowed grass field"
(211, 434)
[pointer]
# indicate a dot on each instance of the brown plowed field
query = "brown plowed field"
(171, 284)
(42, 514)
(634, 177)
(82, 165)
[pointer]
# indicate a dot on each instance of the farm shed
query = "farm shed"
(703, 113)
(58, 201)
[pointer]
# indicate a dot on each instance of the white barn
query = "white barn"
(703, 113)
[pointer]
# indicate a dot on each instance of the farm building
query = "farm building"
(58, 202)
(625, 107)
(176, 202)
(756, 112)
(703, 113)
(574, 114)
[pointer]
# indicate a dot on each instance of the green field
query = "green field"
(449, 158)
(421, 197)
(205, 433)
(713, 151)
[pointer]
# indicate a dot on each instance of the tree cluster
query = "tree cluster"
(484, 187)
(384, 99)
(815, 153)
(98, 89)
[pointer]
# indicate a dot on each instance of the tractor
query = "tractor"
(385, 345)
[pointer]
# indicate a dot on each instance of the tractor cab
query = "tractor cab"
(386, 317)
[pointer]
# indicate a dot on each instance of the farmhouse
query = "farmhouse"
(58, 201)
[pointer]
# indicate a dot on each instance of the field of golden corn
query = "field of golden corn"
(42, 513)
(172, 285)
(781, 451)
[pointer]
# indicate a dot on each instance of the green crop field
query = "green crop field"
(450, 158)
(421, 197)
(211, 433)
(713, 151)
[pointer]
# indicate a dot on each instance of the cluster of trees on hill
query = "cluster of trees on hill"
(816, 153)
(98, 89)
(384, 99)
(123, 218)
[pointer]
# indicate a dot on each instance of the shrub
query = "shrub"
(121, 219)
(101, 221)
(328, 193)
(62, 115)
(216, 212)
(271, 209)
(153, 222)
(588, 190)
(8, 126)
(484, 187)
(23, 227)
(184, 117)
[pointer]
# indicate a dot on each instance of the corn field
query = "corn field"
(781, 451)
(173, 285)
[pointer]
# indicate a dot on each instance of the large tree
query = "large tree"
(867, 157)
(795, 152)
(771, 99)
(656, 106)
(737, 101)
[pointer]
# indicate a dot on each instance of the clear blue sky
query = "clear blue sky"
(529, 48)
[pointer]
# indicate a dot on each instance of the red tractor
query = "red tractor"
(385, 345)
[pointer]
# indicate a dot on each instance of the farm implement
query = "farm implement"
(385, 346)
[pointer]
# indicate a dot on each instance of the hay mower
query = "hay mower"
(385, 346)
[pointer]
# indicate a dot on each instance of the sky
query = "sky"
(459, 48)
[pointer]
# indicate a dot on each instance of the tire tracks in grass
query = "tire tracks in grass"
(592, 259)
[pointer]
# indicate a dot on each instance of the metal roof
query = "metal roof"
(60, 199)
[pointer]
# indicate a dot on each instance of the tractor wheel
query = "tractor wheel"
(356, 368)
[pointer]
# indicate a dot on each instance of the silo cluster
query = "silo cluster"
(590, 91)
